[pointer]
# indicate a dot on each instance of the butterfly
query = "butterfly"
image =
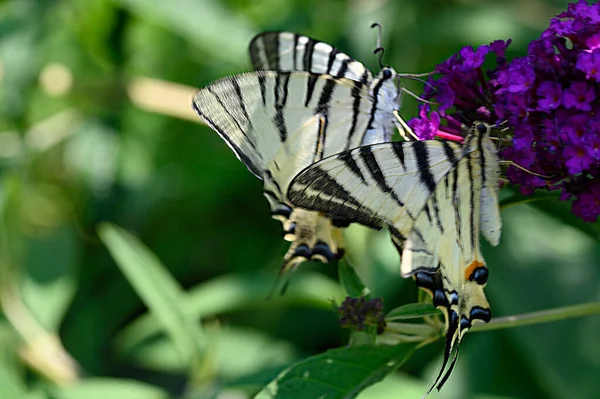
(306, 101)
(435, 197)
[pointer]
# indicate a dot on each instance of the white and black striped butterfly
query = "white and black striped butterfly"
(435, 197)
(307, 101)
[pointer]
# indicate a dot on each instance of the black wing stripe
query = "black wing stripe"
(398, 148)
(263, 89)
(481, 159)
(332, 55)
(310, 88)
(326, 94)
(436, 212)
(281, 94)
(373, 166)
(308, 55)
(321, 136)
(375, 96)
(347, 158)
(269, 176)
(273, 48)
(238, 152)
(231, 116)
(427, 213)
(471, 202)
(323, 183)
(422, 156)
(449, 151)
(355, 92)
(238, 92)
(295, 51)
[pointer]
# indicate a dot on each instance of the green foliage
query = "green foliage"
(338, 373)
(173, 303)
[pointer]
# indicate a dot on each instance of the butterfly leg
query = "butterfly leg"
(313, 237)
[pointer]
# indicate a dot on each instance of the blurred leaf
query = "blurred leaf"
(518, 198)
(351, 281)
(157, 289)
(545, 263)
(561, 211)
(49, 284)
(397, 386)
(238, 292)
(103, 388)
(412, 311)
(202, 22)
(338, 373)
(12, 384)
(235, 351)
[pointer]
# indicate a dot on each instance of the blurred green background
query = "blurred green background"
(96, 126)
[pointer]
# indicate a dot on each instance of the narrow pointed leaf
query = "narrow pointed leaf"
(412, 311)
(156, 287)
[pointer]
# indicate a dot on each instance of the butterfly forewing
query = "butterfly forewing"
(288, 52)
(277, 123)
(265, 114)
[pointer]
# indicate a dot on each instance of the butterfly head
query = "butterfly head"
(481, 129)
(386, 85)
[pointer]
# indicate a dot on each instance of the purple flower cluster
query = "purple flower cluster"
(462, 92)
(550, 99)
(362, 314)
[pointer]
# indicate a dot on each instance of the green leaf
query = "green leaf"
(561, 211)
(102, 388)
(412, 311)
(338, 373)
(49, 284)
(157, 288)
(12, 383)
(351, 281)
(236, 292)
(200, 22)
(235, 352)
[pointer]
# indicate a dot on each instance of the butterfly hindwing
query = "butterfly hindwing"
(446, 233)
(436, 198)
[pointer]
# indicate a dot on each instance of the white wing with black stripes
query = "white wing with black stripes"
(279, 121)
(288, 52)
(436, 198)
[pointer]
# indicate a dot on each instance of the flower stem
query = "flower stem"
(543, 316)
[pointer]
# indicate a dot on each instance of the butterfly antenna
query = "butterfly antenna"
(379, 50)
(417, 77)
(416, 96)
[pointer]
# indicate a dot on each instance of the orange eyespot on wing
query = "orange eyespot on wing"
(471, 269)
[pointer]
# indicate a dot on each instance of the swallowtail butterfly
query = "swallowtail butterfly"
(306, 101)
(435, 197)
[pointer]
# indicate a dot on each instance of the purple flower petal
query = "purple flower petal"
(589, 63)
(550, 94)
(587, 204)
(579, 96)
(577, 158)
